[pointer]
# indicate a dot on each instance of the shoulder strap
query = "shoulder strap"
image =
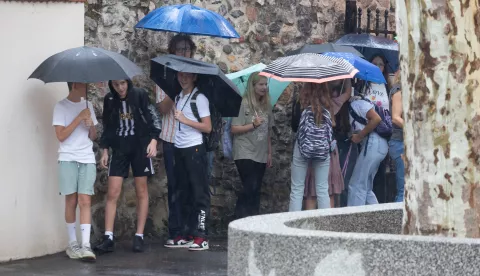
(193, 106)
(356, 117)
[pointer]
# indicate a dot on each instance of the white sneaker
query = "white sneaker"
(87, 253)
(73, 250)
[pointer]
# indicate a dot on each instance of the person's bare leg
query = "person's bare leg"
(332, 201)
(310, 203)
(85, 202)
(114, 190)
(142, 202)
(70, 208)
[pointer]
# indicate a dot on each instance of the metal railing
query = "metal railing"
(354, 20)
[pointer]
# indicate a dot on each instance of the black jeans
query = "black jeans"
(175, 227)
(193, 189)
(251, 175)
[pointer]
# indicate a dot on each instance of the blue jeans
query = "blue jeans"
(396, 151)
(373, 151)
(175, 226)
(299, 172)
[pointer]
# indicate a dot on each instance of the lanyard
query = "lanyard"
(184, 104)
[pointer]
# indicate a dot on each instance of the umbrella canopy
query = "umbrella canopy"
(324, 48)
(188, 19)
(86, 65)
(309, 68)
(371, 46)
(275, 87)
(366, 70)
(211, 81)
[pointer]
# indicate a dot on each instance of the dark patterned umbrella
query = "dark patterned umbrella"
(371, 46)
(309, 68)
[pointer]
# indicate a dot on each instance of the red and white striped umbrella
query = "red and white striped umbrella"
(309, 67)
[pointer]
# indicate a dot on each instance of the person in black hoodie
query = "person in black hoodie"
(130, 129)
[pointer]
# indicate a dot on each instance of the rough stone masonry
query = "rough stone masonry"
(268, 29)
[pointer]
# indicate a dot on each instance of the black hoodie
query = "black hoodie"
(147, 126)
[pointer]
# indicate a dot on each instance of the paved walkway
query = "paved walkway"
(156, 260)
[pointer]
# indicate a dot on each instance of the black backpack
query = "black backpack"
(212, 139)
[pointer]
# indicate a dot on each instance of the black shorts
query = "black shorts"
(121, 162)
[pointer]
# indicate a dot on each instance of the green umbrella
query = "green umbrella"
(275, 87)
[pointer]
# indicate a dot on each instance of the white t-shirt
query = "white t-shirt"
(78, 146)
(378, 94)
(361, 108)
(186, 136)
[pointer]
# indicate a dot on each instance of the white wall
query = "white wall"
(31, 210)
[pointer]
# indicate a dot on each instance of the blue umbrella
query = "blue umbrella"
(188, 19)
(366, 70)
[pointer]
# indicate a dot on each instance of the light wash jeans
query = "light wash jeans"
(361, 183)
(299, 172)
(396, 151)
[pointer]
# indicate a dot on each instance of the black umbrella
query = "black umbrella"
(211, 81)
(85, 65)
(324, 48)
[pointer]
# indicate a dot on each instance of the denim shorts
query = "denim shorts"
(74, 177)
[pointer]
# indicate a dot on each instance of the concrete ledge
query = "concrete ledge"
(344, 241)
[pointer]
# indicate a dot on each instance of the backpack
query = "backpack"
(212, 139)
(315, 142)
(384, 128)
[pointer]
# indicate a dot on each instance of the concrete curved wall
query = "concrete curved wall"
(31, 211)
(352, 241)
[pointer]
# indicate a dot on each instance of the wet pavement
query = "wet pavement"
(156, 260)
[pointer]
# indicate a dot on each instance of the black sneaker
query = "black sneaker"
(105, 246)
(137, 244)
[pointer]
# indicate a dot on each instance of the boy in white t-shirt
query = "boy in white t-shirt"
(191, 163)
(75, 129)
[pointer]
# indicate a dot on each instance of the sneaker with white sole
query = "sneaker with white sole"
(87, 254)
(199, 244)
(74, 251)
(179, 242)
(168, 242)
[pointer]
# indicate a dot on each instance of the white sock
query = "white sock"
(139, 235)
(109, 234)
(72, 234)
(85, 234)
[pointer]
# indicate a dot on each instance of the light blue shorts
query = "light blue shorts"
(74, 177)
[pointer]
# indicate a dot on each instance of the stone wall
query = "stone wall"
(268, 28)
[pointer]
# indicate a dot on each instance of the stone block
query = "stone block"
(236, 13)
(251, 12)
(352, 241)
(227, 49)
